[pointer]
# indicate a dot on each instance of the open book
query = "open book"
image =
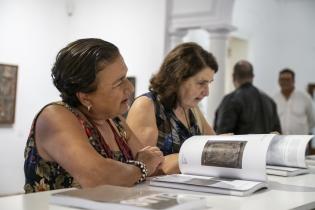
(233, 165)
(286, 155)
(114, 197)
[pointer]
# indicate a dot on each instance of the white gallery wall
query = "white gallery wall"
(30, 34)
(33, 31)
(279, 33)
(136, 27)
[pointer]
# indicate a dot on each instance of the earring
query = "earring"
(89, 108)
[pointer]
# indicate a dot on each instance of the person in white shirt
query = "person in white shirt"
(294, 107)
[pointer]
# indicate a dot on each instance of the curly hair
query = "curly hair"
(183, 62)
(77, 64)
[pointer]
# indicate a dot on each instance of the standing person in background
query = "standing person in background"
(168, 114)
(82, 141)
(247, 110)
(295, 108)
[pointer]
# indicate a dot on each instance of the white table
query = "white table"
(283, 193)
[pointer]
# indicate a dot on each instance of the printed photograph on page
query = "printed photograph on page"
(228, 154)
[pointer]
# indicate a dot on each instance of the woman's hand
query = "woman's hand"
(170, 165)
(152, 157)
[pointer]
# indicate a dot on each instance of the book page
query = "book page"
(280, 168)
(114, 197)
(158, 201)
(288, 150)
(238, 156)
(203, 181)
(310, 157)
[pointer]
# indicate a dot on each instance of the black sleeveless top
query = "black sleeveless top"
(172, 132)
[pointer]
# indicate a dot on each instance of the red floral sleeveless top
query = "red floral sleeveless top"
(41, 175)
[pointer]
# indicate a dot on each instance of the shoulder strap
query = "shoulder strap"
(121, 138)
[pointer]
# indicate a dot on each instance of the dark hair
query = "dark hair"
(183, 62)
(77, 64)
(243, 70)
(287, 71)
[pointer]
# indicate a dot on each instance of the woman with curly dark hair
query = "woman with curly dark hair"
(168, 114)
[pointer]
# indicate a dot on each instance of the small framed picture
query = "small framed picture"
(8, 81)
(133, 81)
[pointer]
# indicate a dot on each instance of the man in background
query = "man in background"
(295, 108)
(247, 109)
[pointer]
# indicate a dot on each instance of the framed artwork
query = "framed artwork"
(132, 97)
(8, 80)
(133, 81)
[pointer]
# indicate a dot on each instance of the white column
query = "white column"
(218, 47)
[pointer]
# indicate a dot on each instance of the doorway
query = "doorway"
(237, 50)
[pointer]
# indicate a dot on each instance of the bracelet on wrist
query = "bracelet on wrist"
(142, 167)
